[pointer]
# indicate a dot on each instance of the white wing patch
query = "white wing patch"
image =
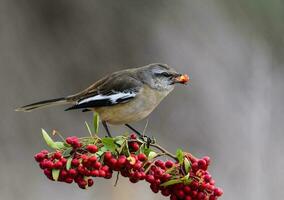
(113, 98)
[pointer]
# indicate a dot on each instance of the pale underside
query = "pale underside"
(134, 110)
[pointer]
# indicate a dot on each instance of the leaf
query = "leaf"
(96, 122)
(67, 152)
(59, 145)
(89, 130)
(152, 155)
(55, 174)
(68, 163)
(171, 182)
(48, 139)
(101, 151)
(146, 150)
(187, 165)
(187, 180)
(119, 141)
(180, 155)
(109, 144)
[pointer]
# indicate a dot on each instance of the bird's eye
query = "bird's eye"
(166, 74)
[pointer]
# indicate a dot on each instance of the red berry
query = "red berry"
(57, 155)
(75, 162)
(186, 189)
(81, 170)
(133, 136)
(92, 148)
(102, 173)
(218, 192)
(97, 165)
(194, 166)
(200, 195)
(63, 174)
(150, 178)
(142, 157)
(112, 162)
(90, 182)
(108, 175)
(44, 152)
(82, 184)
(63, 160)
(93, 159)
(166, 192)
(212, 197)
(173, 197)
(180, 194)
(69, 180)
(133, 180)
(169, 164)
(154, 188)
(165, 177)
(194, 193)
(187, 197)
(48, 173)
(207, 159)
(58, 165)
(107, 156)
(202, 164)
(105, 168)
(159, 163)
(135, 146)
(138, 165)
(121, 160)
(95, 173)
(39, 157)
(207, 177)
(48, 164)
(72, 172)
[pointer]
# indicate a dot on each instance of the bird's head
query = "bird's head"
(161, 76)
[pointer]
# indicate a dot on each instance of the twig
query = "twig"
(116, 180)
(164, 151)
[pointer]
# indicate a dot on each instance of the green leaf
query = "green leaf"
(109, 144)
(89, 130)
(48, 139)
(55, 174)
(180, 155)
(68, 163)
(187, 165)
(146, 150)
(120, 141)
(67, 152)
(187, 180)
(171, 182)
(101, 151)
(59, 145)
(96, 122)
(152, 155)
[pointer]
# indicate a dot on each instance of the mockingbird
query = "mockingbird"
(122, 97)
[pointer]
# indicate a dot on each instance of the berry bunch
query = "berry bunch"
(80, 160)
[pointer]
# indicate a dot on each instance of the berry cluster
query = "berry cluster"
(80, 160)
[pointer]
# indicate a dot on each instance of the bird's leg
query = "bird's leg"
(106, 128)
(142, 136)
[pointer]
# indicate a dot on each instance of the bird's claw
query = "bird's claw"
(148, 140)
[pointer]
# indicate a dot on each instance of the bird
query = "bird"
(122, 97)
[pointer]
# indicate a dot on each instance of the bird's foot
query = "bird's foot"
(148, 140)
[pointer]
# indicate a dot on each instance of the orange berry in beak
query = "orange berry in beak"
(183, 79)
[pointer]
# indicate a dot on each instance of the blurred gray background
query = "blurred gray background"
(233, 112)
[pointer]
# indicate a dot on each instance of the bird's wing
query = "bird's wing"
(115, 89)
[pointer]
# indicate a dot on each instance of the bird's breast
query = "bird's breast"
(134, 110)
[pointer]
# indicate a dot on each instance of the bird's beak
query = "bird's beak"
(182, 78)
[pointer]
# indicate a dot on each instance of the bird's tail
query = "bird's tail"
(43, 104)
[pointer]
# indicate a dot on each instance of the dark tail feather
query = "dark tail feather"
(43, 104)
